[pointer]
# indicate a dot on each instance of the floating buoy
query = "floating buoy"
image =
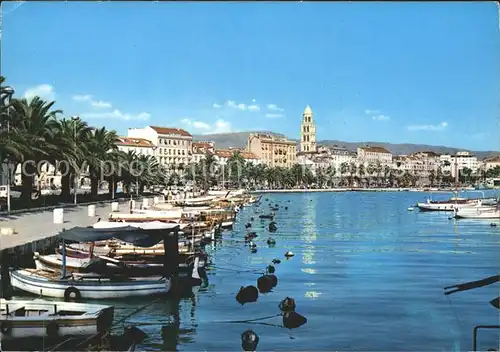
(286, 208)
(272, 227)
(252, 245)
(289, 254)
(248, 225)
(287, 305)
(249, 340)
(250, 235)
(253, 250)
(495, 302)
(270, 269)
(493, 224)
(271, 241)
(252, 219)
(410, 208)
(276, 261)
(247, 294)
(292, 320)
(265, 283)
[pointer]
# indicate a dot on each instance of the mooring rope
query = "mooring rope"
(246, 321)
(136, 311)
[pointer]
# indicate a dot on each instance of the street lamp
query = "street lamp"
(74, 119)
(6, 96)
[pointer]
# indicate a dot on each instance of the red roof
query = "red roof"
(202, 145)
(168, 130)
(135, 142)
(376, 150)
(495, 159)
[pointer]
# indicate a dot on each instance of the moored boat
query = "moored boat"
(86, 286)
(40, 318)
(479, 212)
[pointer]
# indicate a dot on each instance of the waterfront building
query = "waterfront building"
(272, 150)
(139, 146)
(173, 145)
(372, 155)
(223, 155)
(491, 163)
(460, 161)
(200, 150)
(307, 132)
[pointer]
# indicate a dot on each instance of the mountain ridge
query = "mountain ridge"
(239, 140)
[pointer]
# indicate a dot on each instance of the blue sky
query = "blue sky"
(394, 72)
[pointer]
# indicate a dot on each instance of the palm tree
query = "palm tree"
(35, 122)
(352, 172)
(378, 170)
(236, 165)
(344, 168)
(100, 144)
(72, 138)
(361, 171)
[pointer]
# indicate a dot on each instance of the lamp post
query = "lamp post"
(6, 96)
(75, 189)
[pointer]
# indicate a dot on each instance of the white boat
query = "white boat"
(479, 212)
(227, 224)
(197, 201)
(146, 225)
(449, 205)
(86, 286)
(39, 318)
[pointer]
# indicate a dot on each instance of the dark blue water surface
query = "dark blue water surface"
(367, 273)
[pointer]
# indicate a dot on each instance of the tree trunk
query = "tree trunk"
(65, 186)
(27, 184)
(94, 183)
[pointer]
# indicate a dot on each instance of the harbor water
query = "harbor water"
(367, 274)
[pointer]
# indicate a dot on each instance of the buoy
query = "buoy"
(270, 269)
(493, 224)
(252, 219)
(248, 225)
(271, 241)
(276, 261)
(286, 208)
(252, 245)
(265, 283)
(287, 305)
(410, 209)
(249, 340)
(253, 250)
(292, 320)
(289, 254)
(247, 294)
(272, 226)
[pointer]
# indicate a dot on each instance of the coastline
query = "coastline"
(353, 190)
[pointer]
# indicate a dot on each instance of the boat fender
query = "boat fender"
(52, 329)
(72, 294)
(5, 327)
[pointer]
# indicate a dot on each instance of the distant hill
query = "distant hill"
(239, 140)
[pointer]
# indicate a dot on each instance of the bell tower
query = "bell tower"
(307, 132)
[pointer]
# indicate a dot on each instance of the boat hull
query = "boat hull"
(98, 288)
(95, 319)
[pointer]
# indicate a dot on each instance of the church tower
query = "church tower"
(307, 132)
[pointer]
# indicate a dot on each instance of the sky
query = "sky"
(424, 72)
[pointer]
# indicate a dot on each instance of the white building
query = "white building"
(223, 155)
(372, 155)
(173, 145)
(491, 163)
(140, 146)
(461, 160)
(200, 150)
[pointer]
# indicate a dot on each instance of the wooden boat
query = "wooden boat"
(200, 201)
(20, 319)
(86, 286)
(39, 318)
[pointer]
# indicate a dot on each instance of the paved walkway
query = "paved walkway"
(31, 227)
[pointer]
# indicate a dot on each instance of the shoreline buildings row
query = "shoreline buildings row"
(175, 146)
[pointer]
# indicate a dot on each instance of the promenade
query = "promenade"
(39, 226)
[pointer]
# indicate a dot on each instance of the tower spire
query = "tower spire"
(307, 132)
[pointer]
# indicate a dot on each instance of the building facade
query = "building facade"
(139, 146)
(308, 132)
(272, 150)
(173, 145)
(373, 155)
(491, 163)
(451, 164)
(200, 150)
